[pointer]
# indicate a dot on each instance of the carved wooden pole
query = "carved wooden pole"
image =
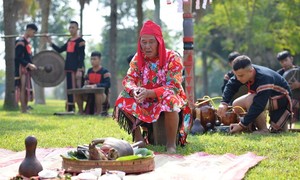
(188, 50)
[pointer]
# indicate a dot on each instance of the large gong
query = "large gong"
(291, 76)
(50, 68)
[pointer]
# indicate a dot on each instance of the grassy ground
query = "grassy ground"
(282, 151)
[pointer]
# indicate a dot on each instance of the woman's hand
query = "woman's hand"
(140, 94)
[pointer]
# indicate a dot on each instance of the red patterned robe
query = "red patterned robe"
(166, 82)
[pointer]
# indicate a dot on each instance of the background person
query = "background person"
(97, 76)
(230, 73)
(23, 65)
(286, 62)
(153, 86)
(74, 65)
(267, 90)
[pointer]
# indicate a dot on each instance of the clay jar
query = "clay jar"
(229, 118)
(207, 113)
(30, 166)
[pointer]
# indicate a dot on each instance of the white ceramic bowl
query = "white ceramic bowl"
(47, 174)
(86, 176)
(96, 171)
(121, 174)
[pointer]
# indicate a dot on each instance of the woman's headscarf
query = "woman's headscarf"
(151, 28)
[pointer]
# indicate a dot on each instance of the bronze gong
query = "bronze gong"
(291, 76)
(50, 68)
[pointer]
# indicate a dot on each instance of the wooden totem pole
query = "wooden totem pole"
(188, 50)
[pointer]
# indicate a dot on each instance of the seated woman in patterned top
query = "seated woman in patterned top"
(153, 86)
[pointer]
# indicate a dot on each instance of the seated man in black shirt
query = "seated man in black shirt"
(97, 76)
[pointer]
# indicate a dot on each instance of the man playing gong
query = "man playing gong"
(23, 65)
(74, 65)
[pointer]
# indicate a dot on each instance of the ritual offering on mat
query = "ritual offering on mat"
(109, 154)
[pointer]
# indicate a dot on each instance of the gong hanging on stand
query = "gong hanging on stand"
(50, 68)
(291, 76)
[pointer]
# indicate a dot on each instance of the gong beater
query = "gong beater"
(50, 68)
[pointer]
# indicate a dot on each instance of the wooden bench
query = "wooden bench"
(98, 90)
(86, 91)
(159, 131)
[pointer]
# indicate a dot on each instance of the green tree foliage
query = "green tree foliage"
(126, 46)
(250, 26)
(259, 29)
(60, 15)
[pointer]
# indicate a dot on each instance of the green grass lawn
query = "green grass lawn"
(282, 151)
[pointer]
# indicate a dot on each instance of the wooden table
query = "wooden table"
(98, 90)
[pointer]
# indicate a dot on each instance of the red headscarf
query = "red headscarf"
(150, 28)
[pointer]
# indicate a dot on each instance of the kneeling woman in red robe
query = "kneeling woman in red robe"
(153, 86)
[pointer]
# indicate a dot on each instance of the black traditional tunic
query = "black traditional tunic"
(267, 84)
(74, 61)
(75, 53)
(23, 54)
(226, 78)
(23, 57)
(101, 78)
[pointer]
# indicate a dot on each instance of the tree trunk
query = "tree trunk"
(82, 3)
(81, 17)
(113, 49)
(157, 12)
(139, 14)
(45, 7)
(9, 28)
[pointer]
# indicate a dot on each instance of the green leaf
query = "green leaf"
(129, 158)
(139, 153)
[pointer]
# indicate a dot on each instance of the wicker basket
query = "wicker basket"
(129, 167)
